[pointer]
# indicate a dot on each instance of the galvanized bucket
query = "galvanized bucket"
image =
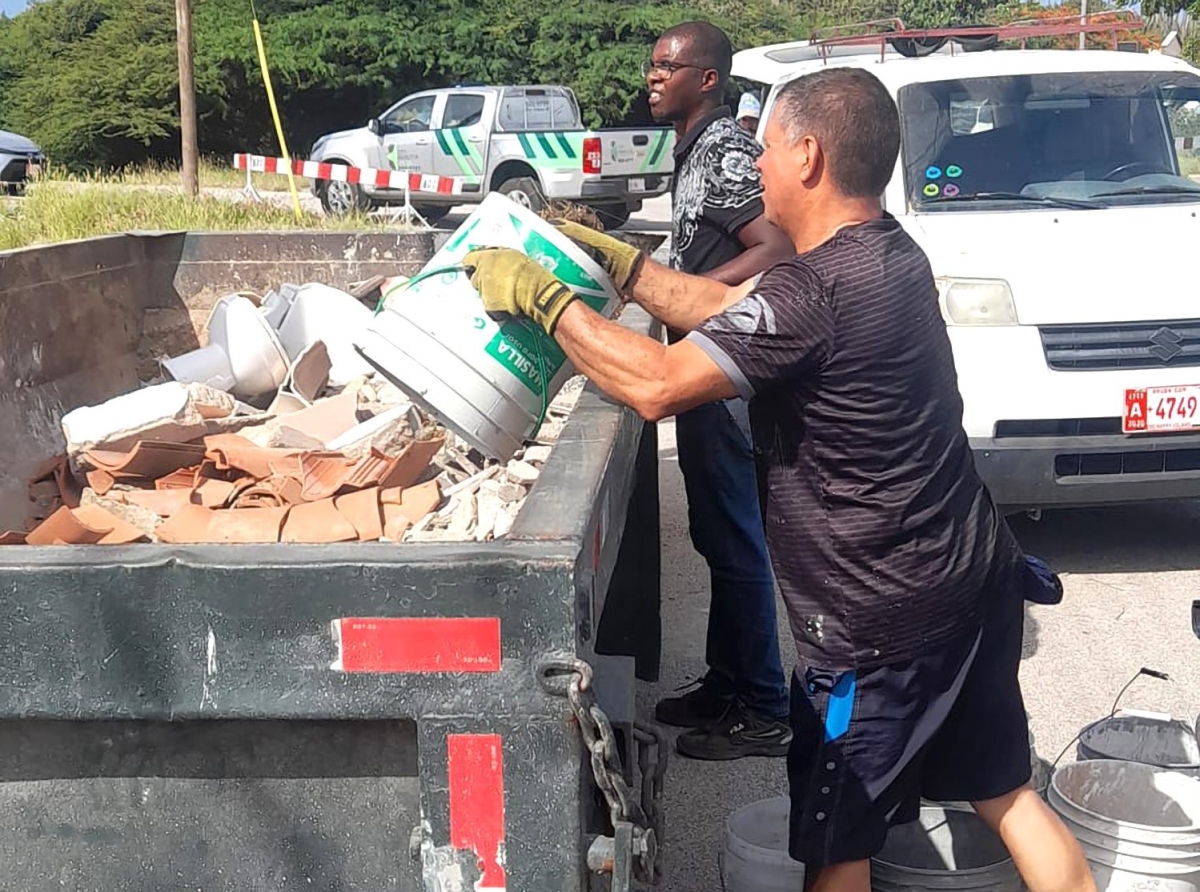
(945, 849)
(1139, 825)
(1164, 742)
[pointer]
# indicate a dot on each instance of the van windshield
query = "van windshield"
(1077, 139)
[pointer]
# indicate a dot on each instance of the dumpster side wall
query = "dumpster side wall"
(70, 321)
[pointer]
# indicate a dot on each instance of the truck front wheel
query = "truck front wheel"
(525, 191)
(343, 199)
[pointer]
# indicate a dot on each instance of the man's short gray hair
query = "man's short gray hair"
(853, 118)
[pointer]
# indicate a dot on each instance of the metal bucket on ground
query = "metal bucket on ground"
(945, 849)
(1139, 825)
(1151, 739)
(755, 857)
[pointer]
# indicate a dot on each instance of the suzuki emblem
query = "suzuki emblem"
(1166, 343)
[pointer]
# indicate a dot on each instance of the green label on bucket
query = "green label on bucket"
(516, 346)
(552, 258)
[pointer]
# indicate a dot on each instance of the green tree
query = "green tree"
(94, 81)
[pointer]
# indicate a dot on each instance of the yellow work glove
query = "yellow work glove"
(514, 284)
(620, 260)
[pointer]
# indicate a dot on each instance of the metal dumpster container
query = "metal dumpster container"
(368, 716)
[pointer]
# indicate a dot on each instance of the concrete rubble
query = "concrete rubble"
(311, 462)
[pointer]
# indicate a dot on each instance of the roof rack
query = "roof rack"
(914, 42)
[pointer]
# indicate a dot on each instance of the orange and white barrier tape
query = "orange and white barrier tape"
(380, 179)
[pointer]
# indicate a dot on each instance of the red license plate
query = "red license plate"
(1162, 410)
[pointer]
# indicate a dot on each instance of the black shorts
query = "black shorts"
(867, 746)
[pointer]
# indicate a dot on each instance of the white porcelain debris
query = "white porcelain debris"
(243, 355)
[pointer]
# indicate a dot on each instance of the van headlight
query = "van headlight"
(976, 301)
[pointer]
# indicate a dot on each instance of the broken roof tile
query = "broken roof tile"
(100, 481)
(85, 525)
(146, 459)
(231, 451)
(320, 474)
(212, 493)
(317, 522)
(64, 528)
(362, 509)
(404, 507)
(120, 532)
(195, 523)
(184, 478)
(411, 462)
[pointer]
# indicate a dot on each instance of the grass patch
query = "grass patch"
(63, 211)
(215, 173)
(1189, 163)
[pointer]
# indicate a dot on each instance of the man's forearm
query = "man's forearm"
(637, 370)
(679, 300)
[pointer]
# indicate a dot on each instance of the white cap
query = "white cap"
(749, 106)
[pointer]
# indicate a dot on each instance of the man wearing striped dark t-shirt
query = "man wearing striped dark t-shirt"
(904, 585)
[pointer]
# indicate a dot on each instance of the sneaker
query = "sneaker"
(738, 734)
(695, 709)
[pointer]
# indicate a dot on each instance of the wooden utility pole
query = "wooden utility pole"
(187, 99)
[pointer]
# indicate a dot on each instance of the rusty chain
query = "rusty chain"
(570, 677)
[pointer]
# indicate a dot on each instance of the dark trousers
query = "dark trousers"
(725, 521)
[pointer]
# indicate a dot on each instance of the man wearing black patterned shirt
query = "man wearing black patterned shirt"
(904, 585)
(740, 706)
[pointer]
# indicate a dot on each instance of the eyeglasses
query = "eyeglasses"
(667, 69)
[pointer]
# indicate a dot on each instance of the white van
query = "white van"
(1046, 188)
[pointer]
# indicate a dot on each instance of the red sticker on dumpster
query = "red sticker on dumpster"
(417, 644)
(476, 774)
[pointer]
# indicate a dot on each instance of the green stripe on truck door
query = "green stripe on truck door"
(452, 144)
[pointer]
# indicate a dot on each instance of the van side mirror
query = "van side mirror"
(374, 126)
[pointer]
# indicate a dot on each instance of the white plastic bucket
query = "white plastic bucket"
(490, 383)
(755, 856)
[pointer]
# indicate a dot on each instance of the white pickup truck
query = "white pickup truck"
(525, 141)
(1046, 188)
